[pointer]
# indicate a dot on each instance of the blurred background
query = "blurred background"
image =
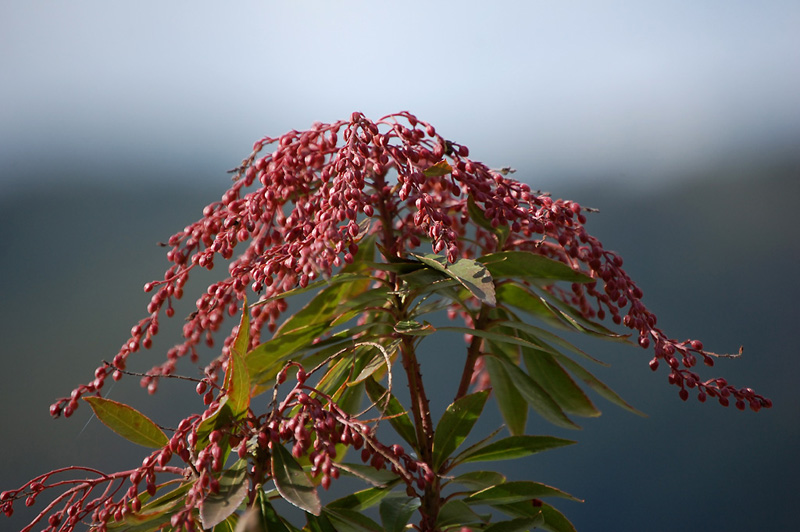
(679, 121)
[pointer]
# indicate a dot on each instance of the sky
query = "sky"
(635, 91)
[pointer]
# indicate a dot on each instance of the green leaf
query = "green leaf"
(577, 321)
(261, 516)
(142, 523)
(324, 307)
(544, 369)
(553, 519)
(221, 417)
(319, 523)
(536, 396)
(510, 492)
(216, 507)
(455, 424)
(530, 265)
(374, 365)
(228, 525)
(361, 500)
(350, 521)
(520, 297)
(155, 513)
(292, 482)
(241, 344)
(520, 524)
(237, 384)
(531, 334)
(396, 510)
(491, 335)
(478, 445)
(398, 417)
(536, 334)
(456, 512)
(513, 447)
(341, 277)
(479, 480)
(473, 275)
(351, 398)
(513, 407)
(265, 361)
(595, 384)
(376, 477)
(128, 422)
(414, 328)
(439, 169)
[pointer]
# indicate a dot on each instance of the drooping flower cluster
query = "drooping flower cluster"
(297, 213)
(87, 498)
(307, 422)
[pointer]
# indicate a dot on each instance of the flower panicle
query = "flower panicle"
(297, 213)
(307, 422)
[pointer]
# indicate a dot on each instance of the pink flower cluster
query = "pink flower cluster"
(297, 213)
(306, 421)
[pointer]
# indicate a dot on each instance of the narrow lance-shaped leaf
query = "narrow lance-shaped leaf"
(510, 492)
(479, 480)
(595, 384)
(456, 512)
(553, 519)
(237, 384)
(241, 344)
(414, 328)
(217, 507)
(490, 335)
(455, 424)
(319, 523)
(532, 266)
(520, 297)
(323, 307)
(155, 513)
(513, 447)
(391, 407)
(536, 396)
(350, 521)
(471, 274)
(543, 335)
(549, 374)
(361, 500)
(396, 511)
(292, 482)
(573, 317)
(230, 524)
(265, 361)
(270, 520)
(376, 477)
(513, 406)
(520, 524)
(128, 422)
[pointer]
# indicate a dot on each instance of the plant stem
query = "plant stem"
(473, 352)
(420, 409)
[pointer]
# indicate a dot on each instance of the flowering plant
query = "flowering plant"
(384, 224)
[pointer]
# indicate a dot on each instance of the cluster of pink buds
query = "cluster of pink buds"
(317, 424)
(296, 213)
(87, 498)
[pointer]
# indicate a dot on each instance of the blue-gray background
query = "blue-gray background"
(679, 120)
